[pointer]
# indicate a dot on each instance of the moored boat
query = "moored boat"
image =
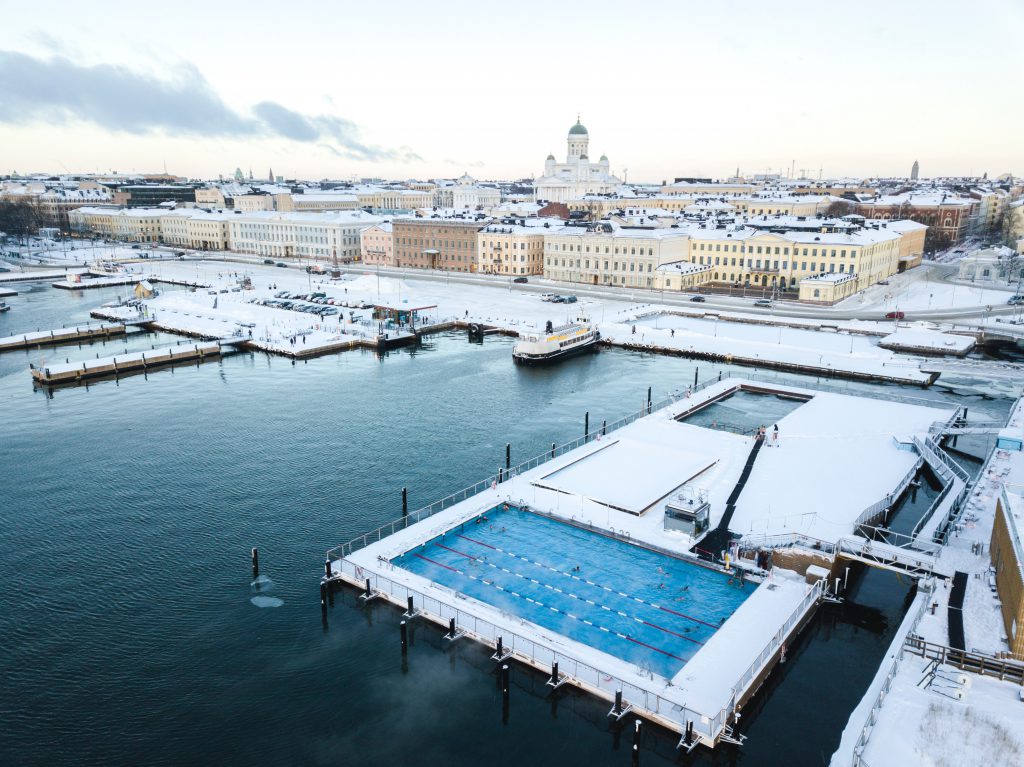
(577, 337)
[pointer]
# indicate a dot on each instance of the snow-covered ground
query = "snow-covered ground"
(923, 339)
(924, 288)
(515, 309)
(835, 457)
(931, 728)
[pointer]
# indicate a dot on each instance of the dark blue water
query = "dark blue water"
(128, 509)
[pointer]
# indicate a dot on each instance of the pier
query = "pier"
(122, 364)
(74, 335)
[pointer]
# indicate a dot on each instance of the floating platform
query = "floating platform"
(7, 293)
(120, 364)
(35, 276)
(75, 335)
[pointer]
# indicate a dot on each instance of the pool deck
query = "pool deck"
(854, 434)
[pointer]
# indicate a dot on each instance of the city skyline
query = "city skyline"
(437, 91)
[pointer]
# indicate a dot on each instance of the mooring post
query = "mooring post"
(554, 672)
(255, 564)
(552, 449)
(696, 374)
(323, 601)
(501, 475)
(508, 455)
(409, 610)
(648, 400)
(586, 426)
(498, 648)
(618, 702)
(689, 732)
(327, 568)
(451, 628)
(604, 427)
(405, 501)
(719, 376)
(367, 588)
(504, 681)
(636, 744)
(405, 636)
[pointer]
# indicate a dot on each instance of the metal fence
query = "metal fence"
(907, 628)
(879, 506)
(541, 654)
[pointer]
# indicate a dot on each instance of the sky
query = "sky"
(426, 90)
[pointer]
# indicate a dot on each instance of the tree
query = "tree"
(838, 209)
(20, 218)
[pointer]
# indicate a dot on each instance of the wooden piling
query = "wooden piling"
(255, 564)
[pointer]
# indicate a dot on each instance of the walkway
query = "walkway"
(956, 614)
(718, 539)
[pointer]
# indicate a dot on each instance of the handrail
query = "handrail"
(878, 506)
(872, 716)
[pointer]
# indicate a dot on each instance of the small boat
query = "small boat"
(578, 337)
(4, 307)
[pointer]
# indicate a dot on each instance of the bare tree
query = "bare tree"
(20, 218)
(838, 209)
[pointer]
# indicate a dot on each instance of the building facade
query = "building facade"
(436, 243)
(376, 245)
(511, 249)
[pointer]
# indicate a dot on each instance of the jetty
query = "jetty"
(129, 362)
(73, 335)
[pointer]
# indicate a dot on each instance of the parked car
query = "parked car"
(883, 282)
(894, 315)
(570, 299)
(268, 261)
(282, 264)
(698, 299)
(1017, 299)
(520, 280)
(763, 302)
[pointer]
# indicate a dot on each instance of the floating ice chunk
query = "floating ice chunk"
(262, 583)
(267, 601)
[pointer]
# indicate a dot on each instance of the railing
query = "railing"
(976, 662)
(539, 653)
(894, 667)
(812, 596)
(878, 507)
(345, 549)
(939, 427)
(939, 460)
(877, 551)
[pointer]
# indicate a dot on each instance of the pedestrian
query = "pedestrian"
(775, 436)
(673, 332)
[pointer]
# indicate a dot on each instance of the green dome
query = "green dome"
(577, 130)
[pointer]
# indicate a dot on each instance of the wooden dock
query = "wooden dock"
(121, 364)
(74, 335)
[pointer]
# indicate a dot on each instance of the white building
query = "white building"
(578, 175)
(300, 235)
(468, 195)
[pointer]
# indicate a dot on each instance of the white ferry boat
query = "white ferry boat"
(554, 344)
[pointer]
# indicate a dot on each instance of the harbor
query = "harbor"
(439, 563)
(78, 334)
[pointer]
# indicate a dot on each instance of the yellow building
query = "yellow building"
(511, 249)
(605, 254)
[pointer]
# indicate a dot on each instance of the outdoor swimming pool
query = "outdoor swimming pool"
(638, 605)
(743, 411)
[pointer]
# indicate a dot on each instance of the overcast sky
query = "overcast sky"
(427, 89)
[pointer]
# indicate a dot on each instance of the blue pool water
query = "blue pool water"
(635, 604)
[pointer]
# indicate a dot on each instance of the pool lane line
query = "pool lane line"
(567, 614)
(434, 562)
(456, 551)
(474, 540)
(582, 580)
(572, 596)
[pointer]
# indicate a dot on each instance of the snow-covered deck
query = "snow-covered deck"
(829, 435)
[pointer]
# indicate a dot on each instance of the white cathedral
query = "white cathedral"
(578, 175)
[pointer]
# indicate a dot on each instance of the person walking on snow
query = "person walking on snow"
(775, 436)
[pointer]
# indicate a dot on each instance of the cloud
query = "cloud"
(120, 99)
